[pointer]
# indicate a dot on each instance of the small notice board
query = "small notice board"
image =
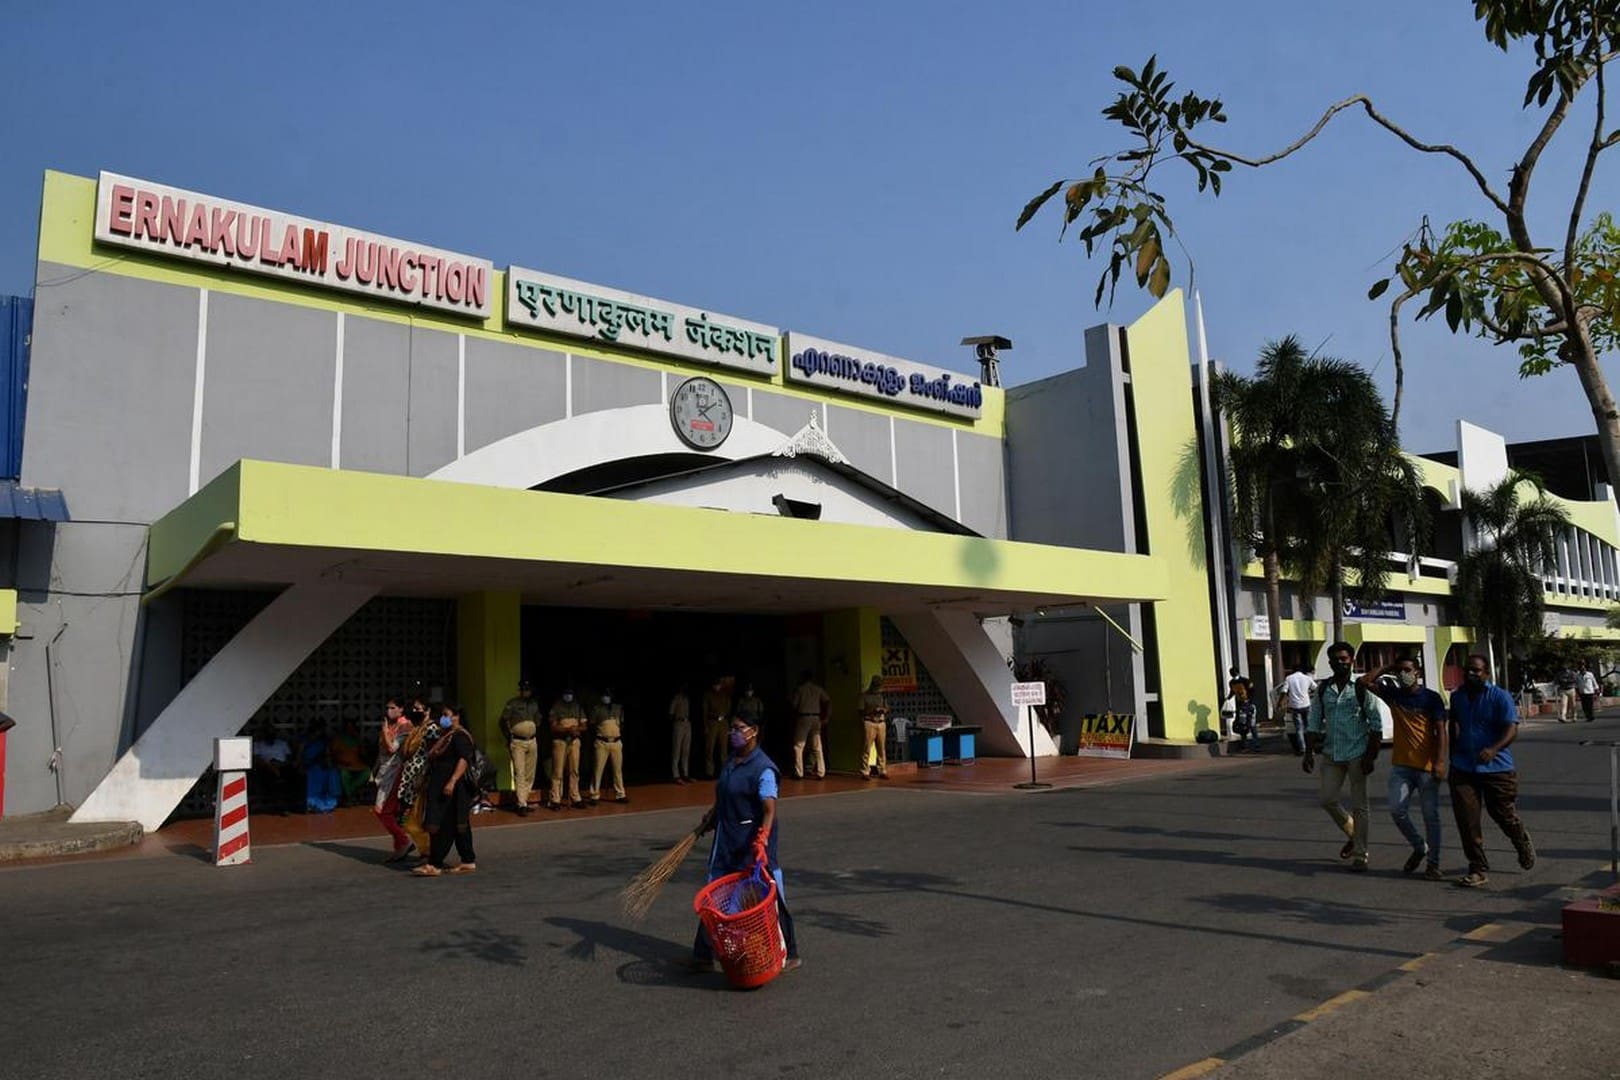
(1028, 693)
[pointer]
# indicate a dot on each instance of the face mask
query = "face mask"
(568, 697)
(739, 739)
(445, 721)
(1474, 678)
(606, 700)
(1407, 679)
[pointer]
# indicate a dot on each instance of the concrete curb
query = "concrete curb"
(49, 836)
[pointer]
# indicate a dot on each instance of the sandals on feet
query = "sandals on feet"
(427, 870)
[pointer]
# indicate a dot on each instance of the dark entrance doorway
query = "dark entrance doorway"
(642, 656)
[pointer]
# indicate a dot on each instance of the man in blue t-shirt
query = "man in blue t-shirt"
(1484, 723)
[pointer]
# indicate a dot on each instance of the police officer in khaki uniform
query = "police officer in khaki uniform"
(567, 725)
(607, 722)
(716, 725)
(520, 722)
(751, 708)
(875, 718)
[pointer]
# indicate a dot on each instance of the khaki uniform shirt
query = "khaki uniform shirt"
(716, 705)
(608, 720)
(873, 707)
(680, 708)
(808, 699)
(567, 718)
(521, 717)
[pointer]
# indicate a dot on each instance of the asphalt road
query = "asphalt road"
(1107, 932)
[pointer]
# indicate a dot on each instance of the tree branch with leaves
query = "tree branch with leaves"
(1559, 306)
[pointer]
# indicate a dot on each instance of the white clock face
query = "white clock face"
(701, 413)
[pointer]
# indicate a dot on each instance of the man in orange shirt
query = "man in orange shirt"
(1422, 747)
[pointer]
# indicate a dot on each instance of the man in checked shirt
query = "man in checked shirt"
(1345, 727)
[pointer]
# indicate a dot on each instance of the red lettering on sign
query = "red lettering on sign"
(146, 215)
(477, 286)
(314, 251)
(123, 205)
(197, 227)
(219, 234)
(172, 224)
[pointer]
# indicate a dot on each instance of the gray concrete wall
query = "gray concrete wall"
(115, 368)
(83, 580)
(1068, 457)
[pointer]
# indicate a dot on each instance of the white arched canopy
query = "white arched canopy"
(541, 454)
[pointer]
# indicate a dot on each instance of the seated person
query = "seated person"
(349, 758)
(273, 772)
(320, 777)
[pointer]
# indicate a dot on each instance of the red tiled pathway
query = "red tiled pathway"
(983, 777)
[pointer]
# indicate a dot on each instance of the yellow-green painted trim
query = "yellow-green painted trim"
(1447, 636)
(66, 237)
(300, 505)
(1580, 603)
(1172, 507)
(852, 642)
(1292, 630)
(1444, 480)
(488, 665)
(1589, 633)
(1385, 634)
(1597, 518)
(8, 612)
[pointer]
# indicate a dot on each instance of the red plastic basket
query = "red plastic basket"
(739, 913)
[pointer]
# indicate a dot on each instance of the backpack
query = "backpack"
(1361, 694)
(481, 773)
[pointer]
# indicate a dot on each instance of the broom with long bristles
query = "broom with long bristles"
(638, 896)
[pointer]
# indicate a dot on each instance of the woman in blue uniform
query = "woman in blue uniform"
(744, 822)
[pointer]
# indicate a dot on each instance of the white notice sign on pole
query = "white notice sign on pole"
(1028, 693)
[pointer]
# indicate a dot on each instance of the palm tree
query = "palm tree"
(1317, 476)
(1499, 584)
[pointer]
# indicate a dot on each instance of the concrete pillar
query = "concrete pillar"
(489, 659)
(151, 778)
(852, 642)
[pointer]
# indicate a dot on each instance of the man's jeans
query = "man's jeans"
(1298, 716)
(1404, 782)
(1335, 775)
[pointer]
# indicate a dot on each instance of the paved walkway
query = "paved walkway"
(986, 776)
(49, 835)
(1497, 1002)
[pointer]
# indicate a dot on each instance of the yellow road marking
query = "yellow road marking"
(1489, 932)
(1330, 1005)
(1418, 961)
(1197, 1068)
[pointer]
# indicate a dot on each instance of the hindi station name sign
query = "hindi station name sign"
(578, 309)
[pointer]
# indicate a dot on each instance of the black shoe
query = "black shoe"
(579, 804)
(622, 799)
(1527, 852)
(1414, 860)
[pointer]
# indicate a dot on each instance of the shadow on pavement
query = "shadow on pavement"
(839, 923)
(479, 943)
(1296, 867)
(657, 962)
(1297, 909)
(369, 855)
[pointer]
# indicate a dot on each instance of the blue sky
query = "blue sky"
(851, 170)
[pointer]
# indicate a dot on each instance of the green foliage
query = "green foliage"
(1122, 215)
(1499, 586)
(1483, 284)
(1317, 471)
(1563, 34)
(1558, 306)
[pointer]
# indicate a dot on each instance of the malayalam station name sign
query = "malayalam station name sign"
(828, 365)
(176, 223)
(559, 305)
